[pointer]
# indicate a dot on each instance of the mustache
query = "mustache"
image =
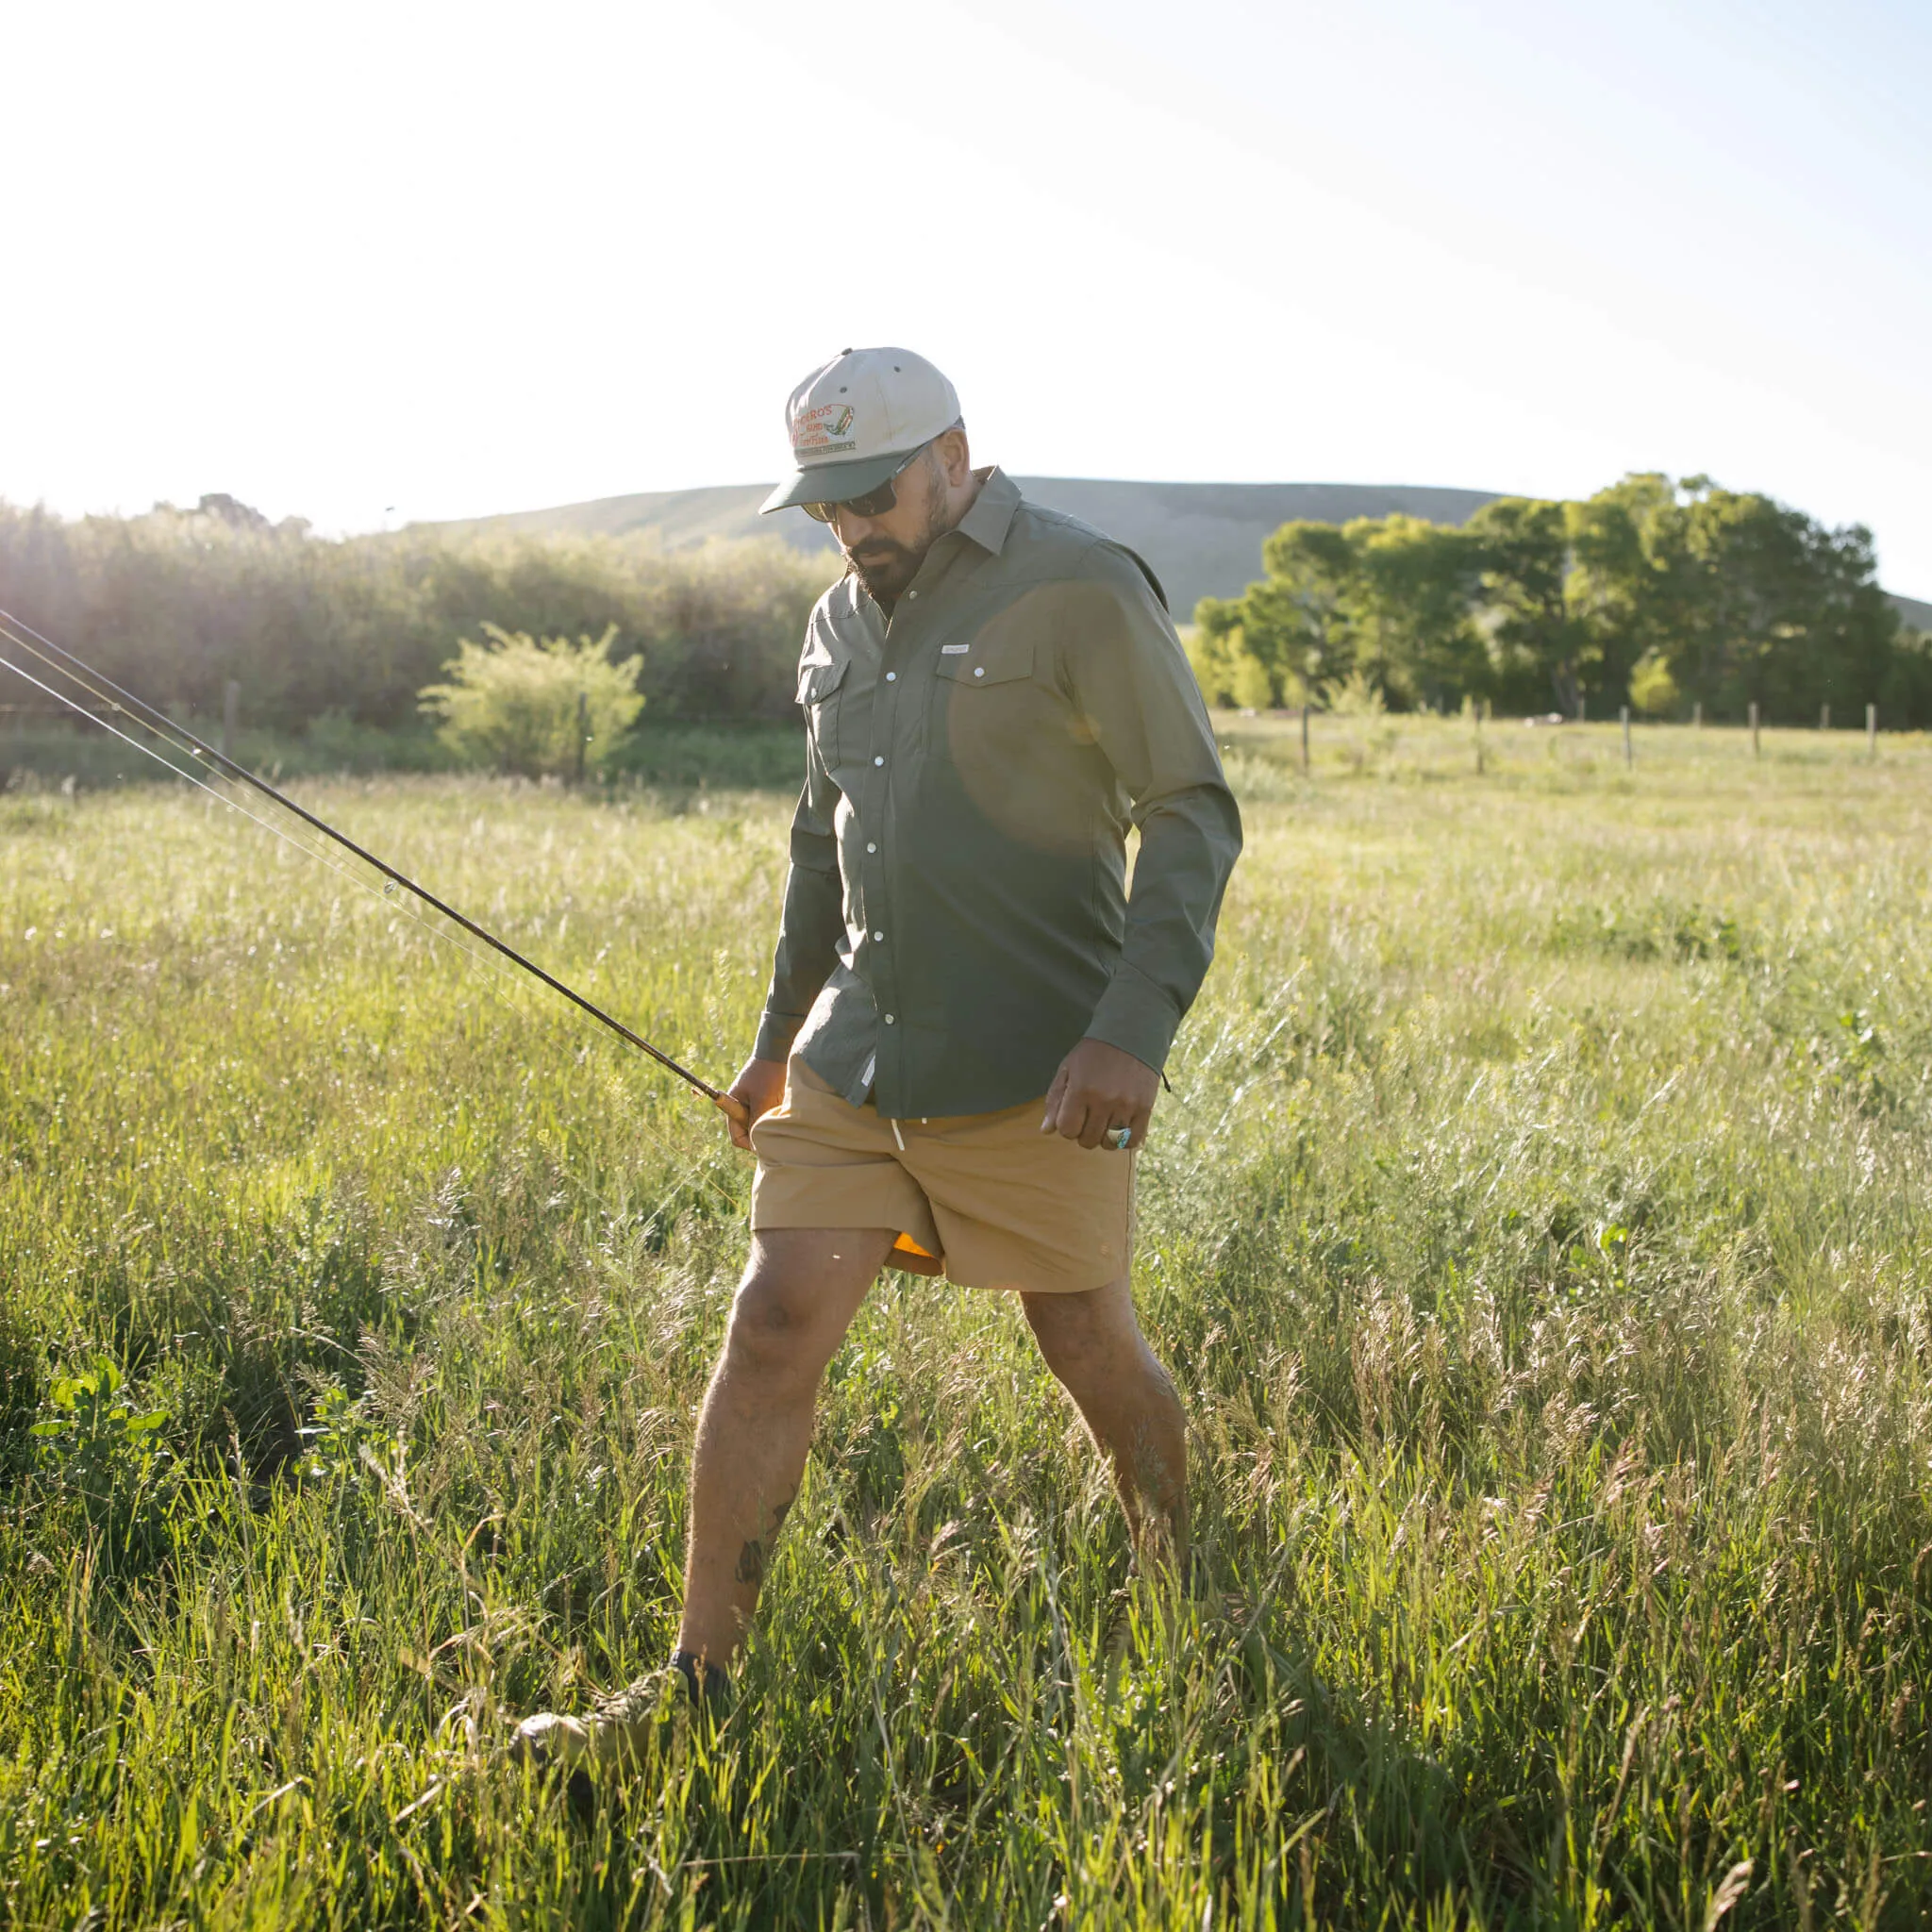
(876, 550)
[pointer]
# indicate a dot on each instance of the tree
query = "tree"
(1904, 693)
(1386, 599)
(1630, 587)
(1410, 610)
(1536, 645)
(1651, 592)
(1298, 618)
(1224, 668)
(1791, 614)
(1288, 637)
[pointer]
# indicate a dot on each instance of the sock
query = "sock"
(707, 1682)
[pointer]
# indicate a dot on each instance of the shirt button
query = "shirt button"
(979, 670)
(910, 594)
(891, 1017)
(878, 761)
(871, 847)
(879, 938)
(892, 677)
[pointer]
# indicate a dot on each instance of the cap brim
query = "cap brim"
(834, 482)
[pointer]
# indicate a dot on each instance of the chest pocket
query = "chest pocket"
(817, 687)
(986, 713)
(989, 660)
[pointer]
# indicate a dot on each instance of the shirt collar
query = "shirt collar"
(987, 524)
(991, 515)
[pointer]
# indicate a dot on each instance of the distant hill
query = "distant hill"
(1203, 540)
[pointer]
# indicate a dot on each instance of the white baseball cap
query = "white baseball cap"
(855, 422)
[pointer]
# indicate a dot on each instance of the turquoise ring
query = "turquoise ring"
(1119, 1137)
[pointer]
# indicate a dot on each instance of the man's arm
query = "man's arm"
(808, 948)
(1134, 690)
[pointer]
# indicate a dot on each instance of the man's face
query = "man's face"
(887, 551)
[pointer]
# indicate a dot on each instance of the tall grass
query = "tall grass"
(1537, 1227)
(736, 753)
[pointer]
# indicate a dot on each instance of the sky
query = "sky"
(376, 263)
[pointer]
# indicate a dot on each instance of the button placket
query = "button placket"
(885, 747)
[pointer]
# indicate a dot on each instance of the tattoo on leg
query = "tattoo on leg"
(751, 1559)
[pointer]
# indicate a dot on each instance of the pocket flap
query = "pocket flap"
(994, 660)
(817, 682)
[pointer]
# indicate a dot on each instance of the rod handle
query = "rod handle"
(733, 1109)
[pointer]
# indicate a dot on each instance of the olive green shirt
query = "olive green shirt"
(957, 915)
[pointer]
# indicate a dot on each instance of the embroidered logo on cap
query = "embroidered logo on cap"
(818, 432)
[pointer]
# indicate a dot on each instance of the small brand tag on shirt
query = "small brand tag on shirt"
(954, 650)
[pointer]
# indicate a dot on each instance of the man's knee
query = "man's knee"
(798, 1296)
(1084, 1334)
(772, 1336)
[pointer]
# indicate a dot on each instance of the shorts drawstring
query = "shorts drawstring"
(898, 1135)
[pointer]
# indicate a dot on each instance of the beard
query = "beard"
(886, 567)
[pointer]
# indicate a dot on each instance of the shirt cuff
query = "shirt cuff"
(776, 1031)
(1137, 1016)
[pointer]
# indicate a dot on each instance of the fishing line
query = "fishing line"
(486, 969)
(167, 730)
(69, 666)
(491, 975)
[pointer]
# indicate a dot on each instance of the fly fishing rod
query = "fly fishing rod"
(23, 636)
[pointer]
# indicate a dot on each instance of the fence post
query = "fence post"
(1824, 717)
(1624, 719)
(1305, 738)
(1479, 710)
(1582, 710)
(1697, 715)
(231, 715)
(1871, 731)
(1753, 727)
(583, 730)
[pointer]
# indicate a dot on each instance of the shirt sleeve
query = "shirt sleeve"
(809, 926)
(1137, 691)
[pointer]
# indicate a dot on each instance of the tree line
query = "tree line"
(175, 602)
(1657, 593)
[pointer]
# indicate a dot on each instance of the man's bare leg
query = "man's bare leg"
(1093, 1344)
(801, 1289)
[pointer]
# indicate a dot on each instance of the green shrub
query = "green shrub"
(1653, 690)
(535, 708)
(1357, 696)
(97, 1447)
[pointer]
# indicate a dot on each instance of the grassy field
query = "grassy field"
(41, 754)
(1539, 1228)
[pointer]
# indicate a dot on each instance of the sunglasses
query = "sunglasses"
(874, 503)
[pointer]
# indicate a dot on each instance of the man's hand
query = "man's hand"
(1100, 1086)
(760, 1087)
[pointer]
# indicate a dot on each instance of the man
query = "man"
(968, 1015)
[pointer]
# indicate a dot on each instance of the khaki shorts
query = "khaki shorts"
(986, 1199)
